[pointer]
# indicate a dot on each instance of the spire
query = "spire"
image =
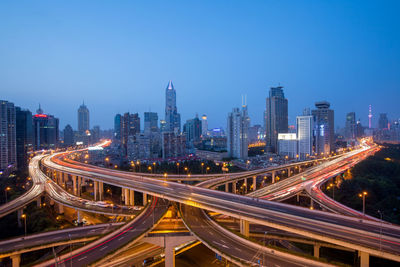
(39, 110)
(170, 86)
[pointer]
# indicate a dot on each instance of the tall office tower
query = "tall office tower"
(130, 126)
(350, 128)
(83, 119)
(237, 133)
(150, 122)
(204, 125)
(139, 147)
(383, 121)
(276, 117)
(254, 134)
(359, 129)
(8, 146)
(370, 117)
(68, 136)
(172, 117)
(45, 129)
(117, 127)
(305, 136)
(163, 126)
(24, 136)
(193, 130)
(324, 127)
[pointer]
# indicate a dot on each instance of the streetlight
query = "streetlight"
(23, 216)
(202, 168)
(186, 169)
(138, 163)
(363, 194)
(177, 167)
(6, 190)
(154, 164)
(207, 169)
(149, 168)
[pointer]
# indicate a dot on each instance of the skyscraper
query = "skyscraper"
(117, 127)
(276, 117)
(45, 128)
(193, 130)
(8, 146)
(350, 128)
(204, 125)
(68, 136)
(305, 137)
(324, 127)
(172, 117)
(383, 121)
(237, 133)
(83, 119)
(150, 122)
(24, 136)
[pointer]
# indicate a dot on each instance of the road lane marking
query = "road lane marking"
(103, 248)
(121, 238)
(82, 258)
(220, 244)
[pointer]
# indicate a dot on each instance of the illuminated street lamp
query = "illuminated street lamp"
(177, 167)
(6, 190)
(154, 164)
(23, 216)
(202, 168)
(149, 168)
(186, 169)
(207, 169)
(363, 194)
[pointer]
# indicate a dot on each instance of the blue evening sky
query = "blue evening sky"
(118, 56)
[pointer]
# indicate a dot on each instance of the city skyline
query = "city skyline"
(347, 61)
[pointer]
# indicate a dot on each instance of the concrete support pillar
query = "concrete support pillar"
(65, 179)
(60, 208)
(39, 202)
(79, 217)
(288, 172)
(316, 250)
(16, 260)
(126, 195)
(169, 255)
(74, 187)
(131, 197)
(244, 227)
(312, 204)
(101, 191)
(298, 197)
(234, 187)
(254, 183)
(95, 189)
(19, 215)
(144, 199)
(364, 258)
(79, 185)
(273, 177)
(226, 187)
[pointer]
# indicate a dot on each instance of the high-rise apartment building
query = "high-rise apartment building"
(305, 136)
(237, 133)
(324, 128)
(68, 136)
(8, 146)
(130, 126)
(150, 122)
(24, 136)
(173, 145)
(172, 117)
(204, 125)
(350, 127)
(83, 119)
(276, 117)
